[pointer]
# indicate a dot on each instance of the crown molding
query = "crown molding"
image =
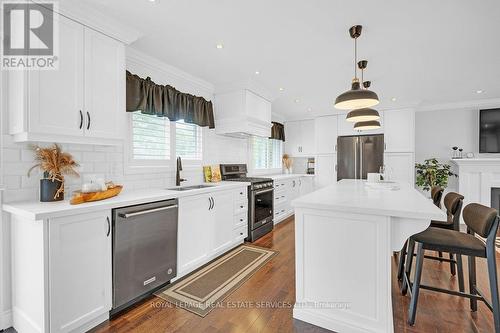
(155, 65)
(471, 104)
(90, 17)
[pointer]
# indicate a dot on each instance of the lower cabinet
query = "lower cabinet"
(325, 172)
(209, 225)
(80, 286)
(306, 185)
(61, 272)
(285, 191)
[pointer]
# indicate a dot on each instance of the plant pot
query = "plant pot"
(48, 190)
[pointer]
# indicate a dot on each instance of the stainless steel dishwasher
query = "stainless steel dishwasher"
(144, 250)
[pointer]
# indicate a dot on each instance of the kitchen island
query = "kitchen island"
(344, 238)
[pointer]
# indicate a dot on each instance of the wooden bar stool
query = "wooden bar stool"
(479, 219)
(453, 203)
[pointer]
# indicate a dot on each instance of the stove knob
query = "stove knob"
(258, 186)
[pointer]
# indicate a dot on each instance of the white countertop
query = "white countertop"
(354, 196)
(289, 175)
(36, 210)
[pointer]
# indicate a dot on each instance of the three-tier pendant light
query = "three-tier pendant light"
(356, 97)
(363, 114)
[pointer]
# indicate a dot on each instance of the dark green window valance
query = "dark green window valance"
(165, 101)
(277, 131)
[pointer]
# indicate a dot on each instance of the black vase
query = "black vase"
(48, 189)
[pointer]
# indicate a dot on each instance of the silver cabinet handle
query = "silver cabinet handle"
(109, 226)
(147, 211)
(213, 203)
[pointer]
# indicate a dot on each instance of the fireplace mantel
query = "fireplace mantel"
(476, 178)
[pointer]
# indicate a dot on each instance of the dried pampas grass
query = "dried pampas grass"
(287, 161)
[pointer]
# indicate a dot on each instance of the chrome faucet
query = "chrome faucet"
(178, 178)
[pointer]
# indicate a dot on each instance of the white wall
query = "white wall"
(108, 161)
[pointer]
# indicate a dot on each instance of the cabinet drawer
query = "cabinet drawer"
(279, 185)
(241, 219)
(280, 198)
(240, 233)
(240, 207)
(280, 211)
(241, 195)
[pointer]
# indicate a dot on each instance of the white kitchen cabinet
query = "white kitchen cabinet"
(300, 138)
(325, 170)
(223, 219)
(79, 269)
(194, 232)
(294, 188)
(347, 127)
(82, 101)
(104, 85)
(306, 185)
(400, 166)
(399, 131)
(326, 134)
(209, 225)
(61, 272)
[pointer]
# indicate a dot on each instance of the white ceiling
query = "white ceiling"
(421, 52)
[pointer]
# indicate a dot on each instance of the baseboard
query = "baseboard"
(314, 318)
(23, 322)
(6, 319)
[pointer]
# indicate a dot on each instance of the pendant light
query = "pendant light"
(356, 98)
(367, 125)
(363, 114)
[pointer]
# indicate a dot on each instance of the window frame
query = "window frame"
(262, 171)
(134, 167)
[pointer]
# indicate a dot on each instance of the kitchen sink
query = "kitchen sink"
(188, 188)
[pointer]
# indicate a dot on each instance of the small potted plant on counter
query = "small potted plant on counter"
(432, 173)
(54, 164)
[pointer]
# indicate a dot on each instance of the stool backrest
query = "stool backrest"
(480, 219)
(436, 195)
(453, 203)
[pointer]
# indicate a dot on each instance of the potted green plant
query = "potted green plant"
(432, 173)
(54, 163)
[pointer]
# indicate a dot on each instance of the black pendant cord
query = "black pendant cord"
(355, 57)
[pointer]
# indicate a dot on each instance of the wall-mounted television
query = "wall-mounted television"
(489, 131)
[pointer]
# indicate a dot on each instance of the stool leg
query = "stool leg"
(492, 272)
(416, 285)
(472, 281)
(460, 269)
(440, 254)
(401, 264)
(452, 266)
(409, 260)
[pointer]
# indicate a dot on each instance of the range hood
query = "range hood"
(242, 113)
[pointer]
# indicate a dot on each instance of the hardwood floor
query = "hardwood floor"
(275, 283)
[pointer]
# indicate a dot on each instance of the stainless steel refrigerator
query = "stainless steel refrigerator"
(358, 155)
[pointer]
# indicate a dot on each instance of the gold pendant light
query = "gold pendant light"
(356, 98)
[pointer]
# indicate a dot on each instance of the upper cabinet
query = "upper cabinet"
(82, 101)
(326, 134)
(399, 131)
(242, 113)
(347, 127)
(300, 138)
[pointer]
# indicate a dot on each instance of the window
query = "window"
(156, 141)
(188, 141)
(266, 153)
(150, 137)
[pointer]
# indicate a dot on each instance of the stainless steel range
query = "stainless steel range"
(260, 199)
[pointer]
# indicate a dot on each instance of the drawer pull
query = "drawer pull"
(241, 206)
(241, 220)
(241, 193)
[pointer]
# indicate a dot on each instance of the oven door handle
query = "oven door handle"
(263, 191)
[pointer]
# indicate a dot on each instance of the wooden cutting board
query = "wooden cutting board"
(79, 197)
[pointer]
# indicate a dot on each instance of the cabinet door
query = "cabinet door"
(306, 185)
(56, 96)
(194, 232)
(347, 128)
(79, 269)
(326, 134)
(307, 138)
(292, 136)
(294, 188)
(400, 167)
(399, 130)
(104, 94)
(325, 170)
(222, 230)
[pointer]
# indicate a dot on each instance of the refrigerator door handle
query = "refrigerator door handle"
(355, 143)
(361, 159)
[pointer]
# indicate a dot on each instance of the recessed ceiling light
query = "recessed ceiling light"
(393, 99)
(297, 100)
(479, 91)
(152, 0)
(309, 109)
(282, 89)
(257, 72)
(219, 46)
